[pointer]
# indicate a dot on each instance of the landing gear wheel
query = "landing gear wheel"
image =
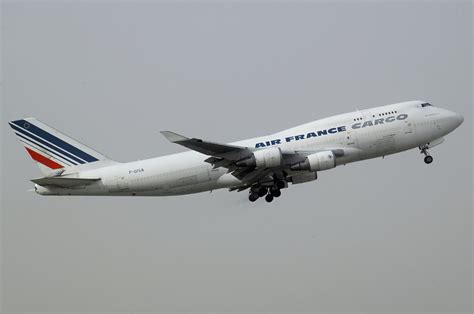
(424, 150)
(262, 191)
(269, 198)
(275, 192)
(253, 197)
(280, 184)
(428, 159)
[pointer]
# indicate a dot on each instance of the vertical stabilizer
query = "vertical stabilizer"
(52, 150)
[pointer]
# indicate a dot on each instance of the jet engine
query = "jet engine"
(317, 162)
(263, 158)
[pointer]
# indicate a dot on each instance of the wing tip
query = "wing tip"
(173, 137)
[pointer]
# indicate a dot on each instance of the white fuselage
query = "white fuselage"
(361, 134)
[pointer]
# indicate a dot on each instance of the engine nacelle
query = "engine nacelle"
(263, 158)
(317, 162)
(304, 177)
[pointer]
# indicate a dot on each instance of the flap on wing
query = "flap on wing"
(65, 182)
(227, 151)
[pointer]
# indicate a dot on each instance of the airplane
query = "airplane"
(263, 165)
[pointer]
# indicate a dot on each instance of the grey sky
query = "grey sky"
(388, 234)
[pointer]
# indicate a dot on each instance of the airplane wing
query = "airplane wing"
(226, 155)
(65, 182)
(222, 154)
(230, 157)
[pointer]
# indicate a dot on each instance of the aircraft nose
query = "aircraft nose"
(458, 118)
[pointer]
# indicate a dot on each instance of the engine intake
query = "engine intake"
(317, 162)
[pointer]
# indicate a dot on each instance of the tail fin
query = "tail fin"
(51, 149)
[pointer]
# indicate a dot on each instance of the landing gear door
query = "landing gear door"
(408, 127)
(120, 184)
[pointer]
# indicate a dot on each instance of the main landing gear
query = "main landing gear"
(428, 158)
(269, 192)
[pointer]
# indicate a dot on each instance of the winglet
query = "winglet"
(173, 137)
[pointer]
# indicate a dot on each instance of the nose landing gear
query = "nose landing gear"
(428, 158)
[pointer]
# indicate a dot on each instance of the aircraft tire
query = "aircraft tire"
(280, 184)
(253, 197)
(428, 159)
(262, 192)
(275, 192)
(269, 198)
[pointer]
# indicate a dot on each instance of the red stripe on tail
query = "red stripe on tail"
(45, 161)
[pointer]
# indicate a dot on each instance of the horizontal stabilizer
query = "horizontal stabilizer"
(65, 182)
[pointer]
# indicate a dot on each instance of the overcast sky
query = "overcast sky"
(387, 234)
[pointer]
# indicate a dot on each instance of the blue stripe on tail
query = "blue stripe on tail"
(25, 125)
(29, 141)
(51, 147)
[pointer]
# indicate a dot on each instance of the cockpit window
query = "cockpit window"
(426, 105)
